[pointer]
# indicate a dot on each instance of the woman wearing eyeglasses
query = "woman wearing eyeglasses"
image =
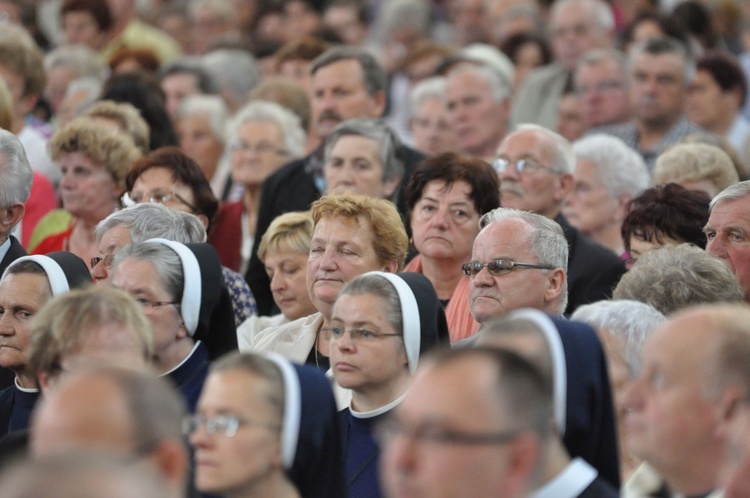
(446, 196)
(263, 136)
(266, 428)
(94, 162)
(380, 325)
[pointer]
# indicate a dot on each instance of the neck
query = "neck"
(651, 133)
(373, 397)
(173, 355)
(274, 485)
(443, 274)
(26, 380)
(18, 123)
(251, 201)
(556, 458)
(696, 476)
(88, 221)
(723, 125)
(610, 237)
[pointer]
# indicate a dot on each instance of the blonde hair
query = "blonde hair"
(127, 117)
(694, 162)
(291, 231)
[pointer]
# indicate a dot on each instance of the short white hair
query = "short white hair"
(565, 158)
(210, 106)
(265, 111)
(622, 170)
(604, 18)
(433, 87)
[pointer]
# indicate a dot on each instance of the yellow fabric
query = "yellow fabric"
(55, 221)
(138, 34)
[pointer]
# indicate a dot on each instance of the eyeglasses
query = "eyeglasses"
(260, 148)
(521, 165)
(224, 424)
(133, 198)
(147, 303)
(391, 428)
(498, 267)
(357, 335)
(601, 87)
(108, 259)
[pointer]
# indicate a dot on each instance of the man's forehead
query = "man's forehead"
(532, 143)
(354, 70)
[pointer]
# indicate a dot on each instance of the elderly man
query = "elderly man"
(728, 231)
(473, 423)
(600, 81)
(15, 186)
(477, 98)
(347, 83)
(519, 260)
(681, 407)
(122, 412)
(535, 168)
(576, 26)
(182, 78)
(661, 72)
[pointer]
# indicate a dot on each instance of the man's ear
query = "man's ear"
(566, 186)
(10, 216)
(555, 284)
(171, 459)
(379, 101)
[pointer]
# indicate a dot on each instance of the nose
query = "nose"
(345, 343)
(328, 260)
(483, 278)
(99, 272)
(277, 282)
(6, 328)
(440, 219)
(200, 438)
(716, 247)
(510, 173)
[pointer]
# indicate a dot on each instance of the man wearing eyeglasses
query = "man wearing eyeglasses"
(535, 167)
(601, 85)
(519, 260)
(472, 424)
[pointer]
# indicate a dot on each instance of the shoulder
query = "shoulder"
(250, 329)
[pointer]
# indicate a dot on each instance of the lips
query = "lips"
(343, 367)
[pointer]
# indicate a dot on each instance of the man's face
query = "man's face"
(737, 471)
(657, 88)
(421, 467)
(478, 120)
(21, 296)
(603, 91)
(339, 93)
(574, 31)
(670, 419)
(112, 241)
(708, 105)
(491, 296)
(176, 87)
(728, 234)
(539, 189)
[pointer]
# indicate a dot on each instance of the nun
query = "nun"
(26, 285)
(182, 291)
(266, 428)
(381, 323)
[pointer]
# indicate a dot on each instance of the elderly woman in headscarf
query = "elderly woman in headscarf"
(183, 294)
(380, 325)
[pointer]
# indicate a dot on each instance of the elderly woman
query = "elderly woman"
(696, 166)
(445, 197)
(182, 291)
(664, 215)
(289, 446)
(362, 156)
(380, 325)
(94, 162)
(283, 250)
(200, 123)
(352, 234)
(607, 175)
(263, 136)
(429, 125)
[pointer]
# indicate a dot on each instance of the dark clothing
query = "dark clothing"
(599, 489)
(593, 270)
(293, 188)
(15, 409)
(15, 251)
(191, 374)
(362, 455)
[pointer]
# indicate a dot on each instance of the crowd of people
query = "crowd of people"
(365, 248)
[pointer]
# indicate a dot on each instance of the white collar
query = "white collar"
(378, 411)
(569, 483)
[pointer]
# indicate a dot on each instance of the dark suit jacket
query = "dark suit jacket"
(15, 251)
(292, 188)
(593, 270)
(599, 488)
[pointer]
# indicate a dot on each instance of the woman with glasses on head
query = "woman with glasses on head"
(94, 162)
(380, 325)
(266, 428)
(445, 197)
(262, 137)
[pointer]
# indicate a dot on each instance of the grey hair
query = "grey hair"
(491, 57)
(166, 262)
(596, 56)
(565, 157)
(150, 220)
(377, 130)
(373, 73)
(548, 243)
(621, 169)
(667, 46)
(433, 87)
(265, 111)
(604, 18)
(221, 7)
(378, 286)
(15, 171)
(675, 277)
(394, 14)
(212, 107)
(92, 87)
(695, 161)
(192, 66)
(731, 193)
(83, 61)
(629, 322)
(499, 86)
(235, 71)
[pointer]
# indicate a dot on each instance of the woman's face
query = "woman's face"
(229, 465)
(287, 269)
(87, 188)
(199, 141)
(354, 165)
(366, 365)
(140, 279)
(639, 246)
(158, 182)
(258, 150)
(590, 207)
(444, 222)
